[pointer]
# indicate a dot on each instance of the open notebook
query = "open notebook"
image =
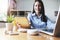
(55, 31)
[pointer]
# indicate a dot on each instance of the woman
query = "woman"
(37, 18)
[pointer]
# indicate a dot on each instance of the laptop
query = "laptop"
(56, 30)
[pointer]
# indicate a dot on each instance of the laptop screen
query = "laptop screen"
(55, 31)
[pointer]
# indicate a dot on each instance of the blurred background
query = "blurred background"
(24, 7)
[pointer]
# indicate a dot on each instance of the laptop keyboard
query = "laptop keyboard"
(48, 30)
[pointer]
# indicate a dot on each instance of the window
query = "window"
(3, 9)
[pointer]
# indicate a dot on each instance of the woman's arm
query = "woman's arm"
(29, 19)
(50, 24)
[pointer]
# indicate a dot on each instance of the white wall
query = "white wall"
(25, 5)
(50, 7)
(59, 5)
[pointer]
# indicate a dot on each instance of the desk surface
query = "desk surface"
(24, 36)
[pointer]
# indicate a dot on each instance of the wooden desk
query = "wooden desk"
(24, 36)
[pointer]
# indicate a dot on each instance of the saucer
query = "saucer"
(22, 30)
(33, 32)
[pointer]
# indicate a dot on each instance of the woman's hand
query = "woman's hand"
(18, 25)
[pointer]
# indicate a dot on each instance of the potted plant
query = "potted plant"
(10, 19)
(9, 25)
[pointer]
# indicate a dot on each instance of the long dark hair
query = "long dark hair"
(42, 11)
